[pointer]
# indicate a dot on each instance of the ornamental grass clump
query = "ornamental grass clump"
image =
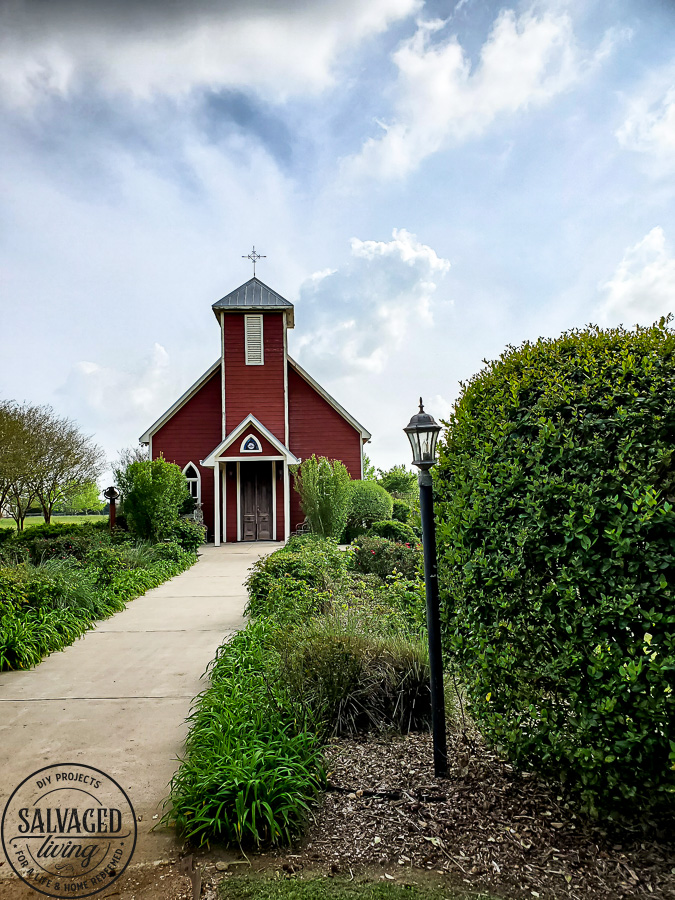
(323, 485)
(353, 677)
(556, 493)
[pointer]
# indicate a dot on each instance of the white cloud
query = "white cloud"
(643, 287)
(355, 317)
(145, 49)
(526, 61)
(112, 395)
(649, 127)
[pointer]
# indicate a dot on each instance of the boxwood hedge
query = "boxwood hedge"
(556, 490)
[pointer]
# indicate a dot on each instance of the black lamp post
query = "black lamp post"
(111, 494)
(422, 433)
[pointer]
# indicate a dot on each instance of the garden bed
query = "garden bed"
(485, 827)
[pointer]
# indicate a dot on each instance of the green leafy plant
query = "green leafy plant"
(190, 535)
(401, 511)
(556, 489)
(153, 492)
(253, 762)
(395, 531)
(398, 480)
(369, 502)
(323, 485)
(379, 556)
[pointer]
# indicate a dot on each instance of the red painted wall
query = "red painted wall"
(190, 434)
(316, 428)
(255, 389)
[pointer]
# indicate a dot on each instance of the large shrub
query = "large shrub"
(277, 582)
(394, 531)
(153, 493)
(368, 503)
(401, 511)
(379, 556)
(323, 485)
(557, 541)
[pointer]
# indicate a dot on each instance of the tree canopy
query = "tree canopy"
(44, 458)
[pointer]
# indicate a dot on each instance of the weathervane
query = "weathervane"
(254, 257)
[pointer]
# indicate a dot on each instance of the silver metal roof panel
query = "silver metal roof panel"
(254, 295)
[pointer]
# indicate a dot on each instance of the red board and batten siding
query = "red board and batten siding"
(316, 428)
(258, 390)
(190, 434)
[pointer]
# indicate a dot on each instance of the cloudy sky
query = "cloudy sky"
(430, 182)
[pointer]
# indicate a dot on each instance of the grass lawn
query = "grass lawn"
(39, 520)
(317, 888)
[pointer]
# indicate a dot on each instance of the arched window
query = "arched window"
(250, 444)
(194, 481)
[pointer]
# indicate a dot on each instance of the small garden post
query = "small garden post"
(111, 494)
(422, 432)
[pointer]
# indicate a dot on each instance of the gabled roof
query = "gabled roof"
(210, 460)
(191, 391)
(365, 434)
(254, 295)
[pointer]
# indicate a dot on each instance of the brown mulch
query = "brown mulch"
(486, 825)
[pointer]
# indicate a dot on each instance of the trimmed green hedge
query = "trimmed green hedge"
(556, 489)
(395, 531)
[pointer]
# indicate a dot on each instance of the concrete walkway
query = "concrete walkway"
(117, 699)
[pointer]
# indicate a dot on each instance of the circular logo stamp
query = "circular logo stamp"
(69, 830)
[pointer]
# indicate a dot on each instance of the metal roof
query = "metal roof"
(252, 296)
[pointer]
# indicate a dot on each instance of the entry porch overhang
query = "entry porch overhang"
(220, 454)
(230, 450)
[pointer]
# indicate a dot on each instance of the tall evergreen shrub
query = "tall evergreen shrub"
(323, 485)
(556, 485)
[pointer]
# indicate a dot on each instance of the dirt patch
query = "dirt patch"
(485, 826)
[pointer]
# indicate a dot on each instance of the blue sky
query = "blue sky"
(429, 181)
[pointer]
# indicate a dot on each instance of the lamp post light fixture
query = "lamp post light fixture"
(422, 431)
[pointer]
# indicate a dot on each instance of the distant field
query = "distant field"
(38, 520)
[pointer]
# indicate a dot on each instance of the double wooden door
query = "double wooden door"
(256, 500)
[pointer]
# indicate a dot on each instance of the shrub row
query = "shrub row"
(45, 605)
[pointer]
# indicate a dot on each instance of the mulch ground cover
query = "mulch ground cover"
(487, 826)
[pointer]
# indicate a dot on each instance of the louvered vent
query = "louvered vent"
(253, 327)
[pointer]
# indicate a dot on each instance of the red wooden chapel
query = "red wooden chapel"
(251, 415)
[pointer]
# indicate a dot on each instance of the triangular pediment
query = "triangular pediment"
(248, 427)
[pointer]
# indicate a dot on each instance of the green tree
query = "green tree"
(556, 506)
(323, 485)
(42, 457)
(369, 473)
(83, 498)
(153, 492)
(398, 480)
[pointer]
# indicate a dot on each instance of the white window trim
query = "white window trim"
(248, 437)
(198, 479)
(253, 360)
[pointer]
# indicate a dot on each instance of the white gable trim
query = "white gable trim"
(331, 401)
(212, 459)
(172, 410)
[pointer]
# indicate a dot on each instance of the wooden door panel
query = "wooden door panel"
(256, 501)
